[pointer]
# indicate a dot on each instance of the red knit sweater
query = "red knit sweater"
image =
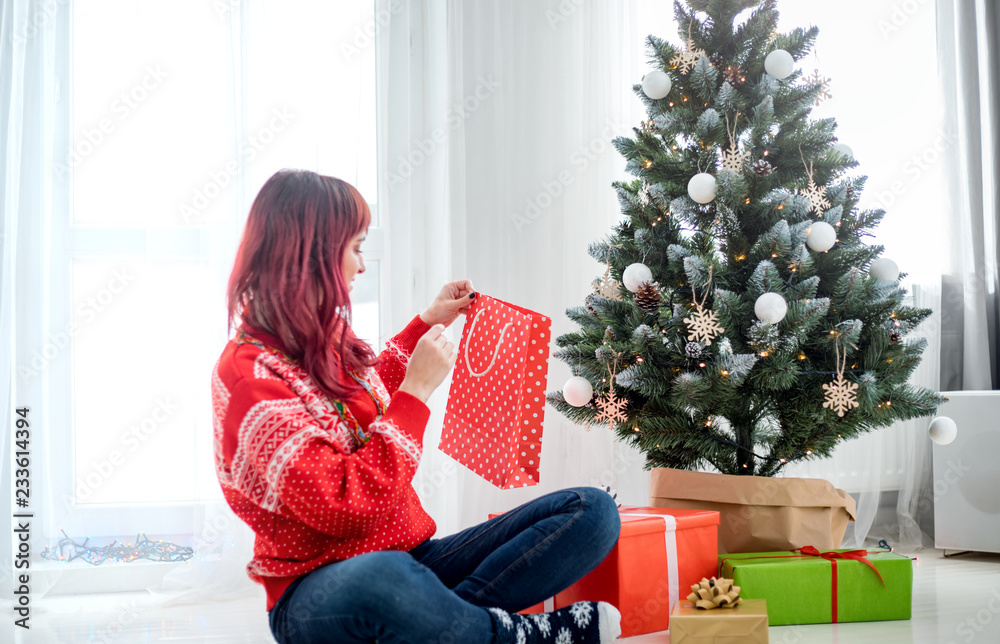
(291, 470)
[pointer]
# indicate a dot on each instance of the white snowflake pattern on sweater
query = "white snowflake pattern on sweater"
(581, 612)
(542, 623)
(503, 616)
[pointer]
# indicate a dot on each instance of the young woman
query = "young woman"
(317, 441)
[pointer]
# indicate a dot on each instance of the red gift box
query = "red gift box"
(496, 404)
(660, 553)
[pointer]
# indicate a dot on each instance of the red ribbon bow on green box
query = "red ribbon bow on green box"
(832, 556)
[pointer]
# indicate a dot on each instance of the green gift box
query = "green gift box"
(808, 587)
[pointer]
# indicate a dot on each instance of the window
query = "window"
(178, 112)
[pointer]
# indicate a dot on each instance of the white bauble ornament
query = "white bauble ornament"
(656, 84)
(770, 308)
(702, 187)
(821, 236)
(885, 269)
(844, 149)
(779, 63)
(635, 276)
(578, 391)
(942, 430)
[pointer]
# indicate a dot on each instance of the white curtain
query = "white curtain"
(40, 242)
(29, 41)
(525, 98)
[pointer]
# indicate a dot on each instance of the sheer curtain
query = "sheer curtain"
(524, 99)
(107, 169)
(41, 334)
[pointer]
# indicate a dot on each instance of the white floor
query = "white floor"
(955, 601)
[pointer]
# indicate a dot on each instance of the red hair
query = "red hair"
(288, 278)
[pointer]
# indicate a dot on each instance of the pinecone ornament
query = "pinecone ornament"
(648, 297)
(894, 336)
(734, 75)
(693, 350)
(850, 192)
(588, 303)
(762, 168)
(609, 334)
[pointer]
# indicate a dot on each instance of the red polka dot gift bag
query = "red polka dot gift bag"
(493, 421)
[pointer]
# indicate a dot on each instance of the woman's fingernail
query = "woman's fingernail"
(472, 296)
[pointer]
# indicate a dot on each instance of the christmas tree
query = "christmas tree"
(742, 323)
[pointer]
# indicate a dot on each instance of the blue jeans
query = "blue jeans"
(437, 592)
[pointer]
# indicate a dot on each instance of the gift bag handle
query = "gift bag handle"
(496, 351)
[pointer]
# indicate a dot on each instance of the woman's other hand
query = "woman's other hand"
(454, 298)
(430, 362)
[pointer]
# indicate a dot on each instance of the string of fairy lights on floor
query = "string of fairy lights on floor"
(69, 550)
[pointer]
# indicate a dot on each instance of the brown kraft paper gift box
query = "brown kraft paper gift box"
(745, 624)
(759, 514)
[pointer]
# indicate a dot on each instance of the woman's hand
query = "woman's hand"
(430, 362)
(454, 298)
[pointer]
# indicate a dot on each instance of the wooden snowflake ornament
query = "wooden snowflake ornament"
(841, 395)
(824, 89)
(816, 196)
(608, 286)
(612, 409)
(686, 60)
(703, 326)
(733, 158)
